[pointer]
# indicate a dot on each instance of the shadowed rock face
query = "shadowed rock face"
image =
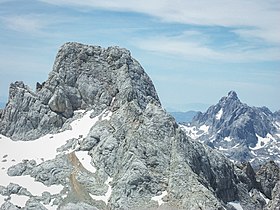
(139, 151)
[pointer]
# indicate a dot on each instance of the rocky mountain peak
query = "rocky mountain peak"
(83, 77)
(230, 100)
(101, 140)
(241, 132)
(232, 94)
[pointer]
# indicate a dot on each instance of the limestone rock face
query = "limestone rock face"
(83, 77)
(268, 176)
(275, 202)
(139, 158)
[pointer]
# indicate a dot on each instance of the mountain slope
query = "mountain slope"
(241, 132)
(94, 136)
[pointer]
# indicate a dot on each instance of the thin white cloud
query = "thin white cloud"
(38, 24)
(263, 16)
(192, 48)
(23, 23)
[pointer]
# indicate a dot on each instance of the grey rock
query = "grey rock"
(235, 128)
(13, 188)
(274, 204)
(20, 168)
(32, 204)
(268, 175)
(9, 206)
(52, 172)
(82, 77)
(60, 103)
(140, 147)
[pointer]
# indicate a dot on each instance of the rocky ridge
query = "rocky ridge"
(83, 77)
(138, 157)
(241, 132)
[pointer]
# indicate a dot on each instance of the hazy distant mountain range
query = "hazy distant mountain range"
(183, 117)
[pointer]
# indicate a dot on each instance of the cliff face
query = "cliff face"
(138, 157)
(83, 77)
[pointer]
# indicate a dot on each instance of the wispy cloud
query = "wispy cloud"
(197, 46)
(23, 23)
(254, 25)
(262, 16)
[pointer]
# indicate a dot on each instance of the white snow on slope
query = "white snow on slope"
(85, 160)
(236, 205)
(222, 149)
(190, 131)
(107, 195)
(204, 128)
(264, 197)
(219, 114)
(19, 200)
(158, 198)
(193, 132)
(262, 141)
(43, 148)
(228, 139)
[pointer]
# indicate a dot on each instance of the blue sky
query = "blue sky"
(194, 51)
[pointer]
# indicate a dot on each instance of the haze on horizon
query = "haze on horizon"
(194, 51)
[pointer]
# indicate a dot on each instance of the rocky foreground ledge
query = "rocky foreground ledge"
(113, 146)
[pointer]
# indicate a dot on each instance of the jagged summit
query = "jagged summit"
(232, 94)
(241, 132)
(102, 141)
(230, 98)
(83, 77)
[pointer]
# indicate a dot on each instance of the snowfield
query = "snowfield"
(42, 149)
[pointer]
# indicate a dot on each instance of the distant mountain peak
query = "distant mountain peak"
(241, 132)
(229, 99)
(232, 94)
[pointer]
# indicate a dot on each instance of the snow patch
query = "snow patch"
(253, 153)
(85, 160)
(44, 148)
(107, 195)
(262, 142)
(194, 132)
(204, 128)
(19, 200)
(228, 139)
(158, 198)
(222, 149)
(264, 197)
(236, 146)
(190, 131)
(219, 114)
(236, 205)
(106, 115)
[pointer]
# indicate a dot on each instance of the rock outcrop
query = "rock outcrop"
(141, 157)
(83, 77)
(241, 132)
